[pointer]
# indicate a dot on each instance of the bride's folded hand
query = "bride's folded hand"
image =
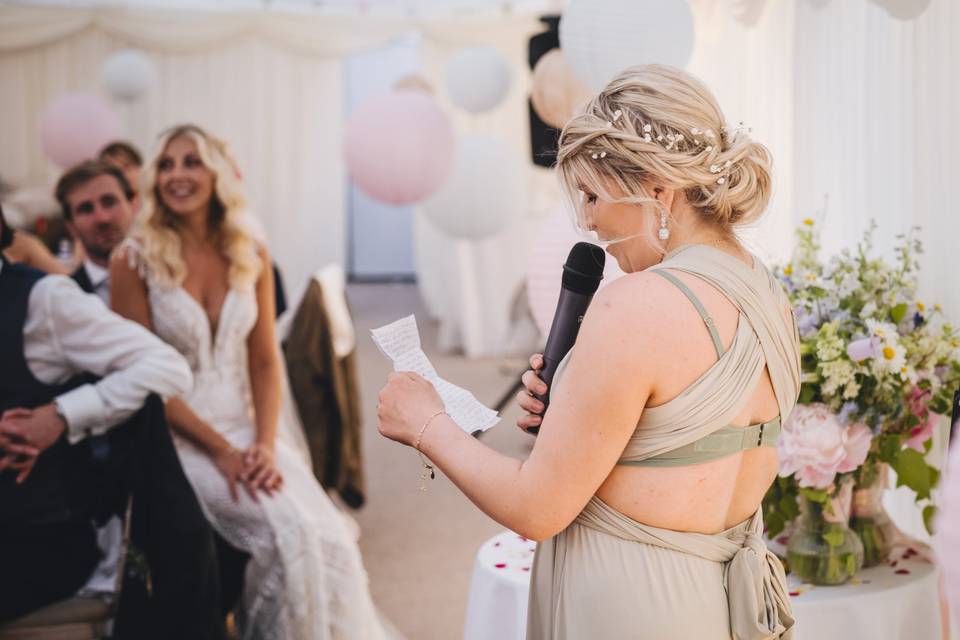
(260, 469)
(230, 462)
(406, 402)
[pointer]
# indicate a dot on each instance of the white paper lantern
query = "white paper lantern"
(601, 38)
(555, 91)
(545, 266)
(478, 78)
(484, 194)
(126, 74)
(904, 9)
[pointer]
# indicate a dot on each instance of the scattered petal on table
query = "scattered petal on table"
(902, 572)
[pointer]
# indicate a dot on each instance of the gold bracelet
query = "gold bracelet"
(427, 467)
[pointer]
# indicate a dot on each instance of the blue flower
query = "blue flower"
(846, 410)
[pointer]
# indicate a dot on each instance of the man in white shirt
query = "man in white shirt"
(72, 370)
(97, 203)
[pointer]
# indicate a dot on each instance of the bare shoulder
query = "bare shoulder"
(627, 316)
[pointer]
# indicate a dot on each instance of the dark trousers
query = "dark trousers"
(46, 562)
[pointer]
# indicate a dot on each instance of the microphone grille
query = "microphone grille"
(584, 268)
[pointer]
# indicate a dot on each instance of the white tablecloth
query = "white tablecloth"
(497, 605)
(898, 602)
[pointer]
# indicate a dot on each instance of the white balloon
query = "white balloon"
(601, 38)
(478, 78)
(545, 260)
(126, 74)
(904, 9)
(484, 194)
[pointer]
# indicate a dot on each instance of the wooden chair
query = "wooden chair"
(76, 618)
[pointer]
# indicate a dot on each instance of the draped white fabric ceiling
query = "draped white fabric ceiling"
(856, 106)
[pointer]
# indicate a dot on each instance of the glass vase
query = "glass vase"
(869, 519)
(823, 550)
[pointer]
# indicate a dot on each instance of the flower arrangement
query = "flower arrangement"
(879, 368)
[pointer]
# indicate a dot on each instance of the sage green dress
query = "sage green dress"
(608, 576)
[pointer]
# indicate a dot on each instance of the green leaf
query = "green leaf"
(807, 393)
(833, 538)
(814, 495)
(898, 312)
(888, 447)
(789, 507)
(929, 513)
(940, 405)
(775, 525)
(914, 472)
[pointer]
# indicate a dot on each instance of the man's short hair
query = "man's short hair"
(83, 173)
(121, 148)
(6, 234)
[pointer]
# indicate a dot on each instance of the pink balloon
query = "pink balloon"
(75, 127)
(399, 147)
(545, 267)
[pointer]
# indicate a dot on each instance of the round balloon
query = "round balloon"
(478, 78)
(126, 74)
(75, 126)
(485, 192)
(601, 38)
(904, 9)
(399, 147)
(545, 267)
(556, 92)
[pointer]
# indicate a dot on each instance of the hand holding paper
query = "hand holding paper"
(400, 342)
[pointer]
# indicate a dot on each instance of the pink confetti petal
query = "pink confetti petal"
(501, 565)
(526, 568)
(902, 572)
(794, 594)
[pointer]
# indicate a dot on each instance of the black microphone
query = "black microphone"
(582, 274)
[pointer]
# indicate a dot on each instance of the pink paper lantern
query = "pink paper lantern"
(75, 126)
(545, 267)
(399, 147)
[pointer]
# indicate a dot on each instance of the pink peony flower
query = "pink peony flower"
(928, 419)
(815, 446)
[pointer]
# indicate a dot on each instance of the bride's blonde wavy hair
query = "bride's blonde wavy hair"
(649, 126)
(157, 228)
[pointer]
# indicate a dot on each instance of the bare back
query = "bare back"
(711, 496)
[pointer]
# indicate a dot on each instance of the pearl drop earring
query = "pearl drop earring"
(664, 233)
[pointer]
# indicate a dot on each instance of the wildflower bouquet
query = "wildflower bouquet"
(879, 368)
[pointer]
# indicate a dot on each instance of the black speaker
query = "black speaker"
(543, 137)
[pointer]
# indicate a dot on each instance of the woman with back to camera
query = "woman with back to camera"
(645, 482)
(193, 273)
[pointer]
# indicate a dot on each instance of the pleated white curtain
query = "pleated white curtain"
(270, 84)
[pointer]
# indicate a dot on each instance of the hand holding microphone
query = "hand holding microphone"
(581, 278)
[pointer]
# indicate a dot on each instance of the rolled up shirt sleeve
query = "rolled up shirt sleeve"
(85, 336)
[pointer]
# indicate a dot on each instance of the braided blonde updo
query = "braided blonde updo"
(655, 124)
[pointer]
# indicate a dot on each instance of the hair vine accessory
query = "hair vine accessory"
(428, 471)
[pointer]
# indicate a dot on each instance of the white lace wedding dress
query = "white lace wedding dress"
(305, 580)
